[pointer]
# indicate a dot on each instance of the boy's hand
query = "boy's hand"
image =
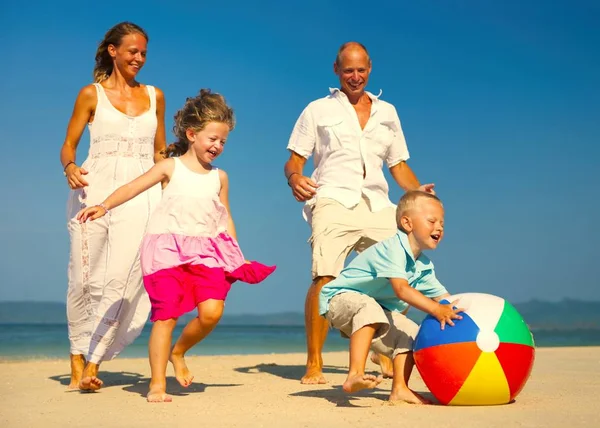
(446, 313)
(91, 213)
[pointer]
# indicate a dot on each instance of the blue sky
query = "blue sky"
(499, 103)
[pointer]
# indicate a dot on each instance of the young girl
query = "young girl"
(189, 256)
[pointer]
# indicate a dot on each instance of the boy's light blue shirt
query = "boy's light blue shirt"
(370, 271)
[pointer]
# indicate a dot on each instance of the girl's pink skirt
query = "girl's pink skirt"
(178, 290)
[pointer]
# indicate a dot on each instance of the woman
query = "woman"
(107, 306)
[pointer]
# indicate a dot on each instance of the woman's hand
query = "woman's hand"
(75, 178)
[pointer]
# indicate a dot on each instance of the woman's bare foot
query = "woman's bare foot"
(408, 396)
(360, 381)
(89, 380)
(77, 366)
(182, 373)
(386, 365)
(158, 394)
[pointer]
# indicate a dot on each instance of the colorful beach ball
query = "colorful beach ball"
(485, 359)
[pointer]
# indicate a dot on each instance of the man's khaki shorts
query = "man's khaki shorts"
(337, 231)
(350, 311)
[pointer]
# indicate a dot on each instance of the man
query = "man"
(351, 133)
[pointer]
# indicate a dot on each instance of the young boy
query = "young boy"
(366, 302)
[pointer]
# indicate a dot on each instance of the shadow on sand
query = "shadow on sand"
(287, 372)
(137, 384)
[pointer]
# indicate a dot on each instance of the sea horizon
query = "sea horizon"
(50, 341)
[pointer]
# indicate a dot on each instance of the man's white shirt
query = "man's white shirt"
(348, 160)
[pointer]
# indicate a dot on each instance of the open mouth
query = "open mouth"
(436, 237)
(213, 153)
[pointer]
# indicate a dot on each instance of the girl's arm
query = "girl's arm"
(224, 197)
(85, 105)
(160, 139)
(160, 172)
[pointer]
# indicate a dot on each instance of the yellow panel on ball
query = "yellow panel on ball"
(485, 385)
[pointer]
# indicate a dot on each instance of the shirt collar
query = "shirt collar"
(337, 92)
(422, 261)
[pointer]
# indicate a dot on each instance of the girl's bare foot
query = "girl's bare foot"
(360, 381)
(182, 373)
(89, 380)
(408, 396)
(386, 365)
(158, 394)
(77, 366)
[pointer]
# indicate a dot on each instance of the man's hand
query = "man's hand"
(303, 188)
(428, 188)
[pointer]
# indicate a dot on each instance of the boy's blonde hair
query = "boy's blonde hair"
(409, 202)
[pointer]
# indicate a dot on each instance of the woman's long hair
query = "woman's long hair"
(114, 36)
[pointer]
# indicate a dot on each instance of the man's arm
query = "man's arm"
(303, 188)
(301, 145)
(404, 176)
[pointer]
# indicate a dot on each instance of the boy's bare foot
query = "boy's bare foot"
(386, 365)
(360, 381)
(89, 380)
(182, 373)
(408, 396)
(313, 376)
(158, 394)
(77, 366)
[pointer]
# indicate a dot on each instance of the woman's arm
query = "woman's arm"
(83, 110)
(160, 139)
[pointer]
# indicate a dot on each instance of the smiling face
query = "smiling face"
(353, 68)
(424, 224)
(208, 143)
(130, 55)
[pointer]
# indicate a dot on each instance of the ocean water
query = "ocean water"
(32, 341)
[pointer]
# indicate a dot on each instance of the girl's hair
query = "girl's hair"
(198, 112)
(114, 36)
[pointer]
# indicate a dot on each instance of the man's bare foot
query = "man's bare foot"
(386, 365)
(90, 383)
(77, 366)
(158, 394)
(313, 376)
(360, 381)
(182, 373)
(408, 396)
(89, 380)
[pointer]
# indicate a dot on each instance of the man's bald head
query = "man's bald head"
(350, 46)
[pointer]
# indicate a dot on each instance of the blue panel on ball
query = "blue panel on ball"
(430, 333)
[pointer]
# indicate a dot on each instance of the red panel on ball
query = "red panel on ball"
(516, 361)
(444, 368)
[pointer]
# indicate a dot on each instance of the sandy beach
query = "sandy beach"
(264, 391)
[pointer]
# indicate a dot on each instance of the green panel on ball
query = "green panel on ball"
(511, 327)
